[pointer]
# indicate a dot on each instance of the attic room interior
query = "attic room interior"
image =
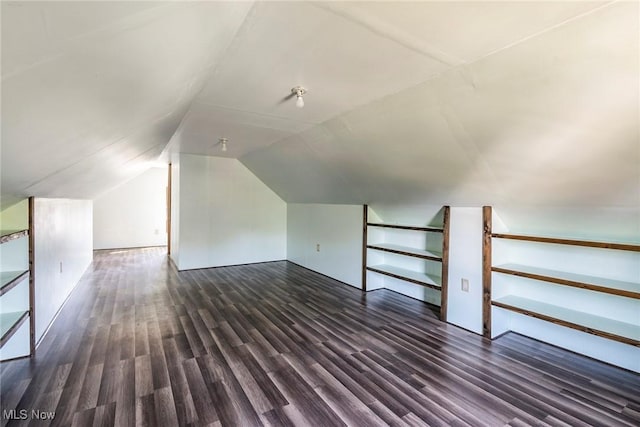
(330, 213)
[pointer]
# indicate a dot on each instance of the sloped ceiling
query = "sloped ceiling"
(528, 104)
(551, 120)
(93, 91)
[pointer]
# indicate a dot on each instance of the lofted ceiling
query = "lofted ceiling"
(529, 104)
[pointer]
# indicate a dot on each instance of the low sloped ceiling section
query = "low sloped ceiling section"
(551, 122)
(93, 91)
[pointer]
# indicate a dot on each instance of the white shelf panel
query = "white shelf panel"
(421, 253)
(425, 279)
(616, 287)
(9, 321)
(434, 229)
(8, 277)
(582, 321)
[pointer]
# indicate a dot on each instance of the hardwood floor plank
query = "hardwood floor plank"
(304, 398)
(277, 418)
(199, 392)
(59, 377)
(344, 403)
(165, 408)
(145, 412)
(409, 397)
(143, 376)
(83, 418)
(182, 399)
(105, 416)
(126, 396)
(261, 378)
(231, 411)
(88, 397)
(385, 414)
(109, 385)
(140, 343)
(378, 390)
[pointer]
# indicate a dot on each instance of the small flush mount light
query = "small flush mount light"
(298, 91)
(223, 143)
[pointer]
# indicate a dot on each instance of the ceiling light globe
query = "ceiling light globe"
(299, 101)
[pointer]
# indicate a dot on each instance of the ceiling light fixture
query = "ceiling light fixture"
(298, 91)
(223, 143)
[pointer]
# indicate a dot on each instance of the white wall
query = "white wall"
(465, 261)
(618, 223)
(227, 215)
(133, 214)
(63, 251)
(338, 231)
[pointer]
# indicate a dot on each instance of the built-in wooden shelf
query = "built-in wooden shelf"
(9, 279)
(422, 279)
(563, 311)
(9, 235)
(613, 329)
(406, 227)
(408, 251)
(572, 242)
(10, 323)
(599, 284)
(431, 281)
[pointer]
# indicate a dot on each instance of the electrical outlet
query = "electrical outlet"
(317, 247)
(465, 285)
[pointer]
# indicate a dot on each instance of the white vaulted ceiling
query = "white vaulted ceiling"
(93, 91)
(530, 104)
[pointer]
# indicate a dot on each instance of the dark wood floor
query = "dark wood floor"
(275, 344)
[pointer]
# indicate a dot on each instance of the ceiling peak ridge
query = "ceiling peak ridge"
(541, 32)
(463, 66)
(390, 32)
(208, 72)
(66, 45)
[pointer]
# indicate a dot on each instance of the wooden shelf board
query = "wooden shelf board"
(8, 235)
(608, 328)
(9, 324)
(599, 284)
(406, 227)
(573, 242)
(9, 279)
(408, 251)
(418, 278)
